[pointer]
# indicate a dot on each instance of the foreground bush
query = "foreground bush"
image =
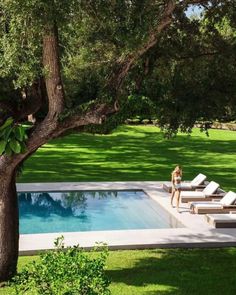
(65, 271)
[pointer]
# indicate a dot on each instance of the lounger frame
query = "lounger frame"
(224, 209)
(205, 199)
(220, 223)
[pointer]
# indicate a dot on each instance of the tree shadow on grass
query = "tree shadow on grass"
(135, 155)
(181, 271)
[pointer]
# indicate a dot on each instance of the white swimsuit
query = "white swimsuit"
(177, 185)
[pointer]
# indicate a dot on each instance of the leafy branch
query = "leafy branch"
(12, 138)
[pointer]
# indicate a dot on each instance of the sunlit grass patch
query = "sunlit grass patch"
(135, 153)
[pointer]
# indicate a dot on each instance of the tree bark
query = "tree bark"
(51, 63)
(9, 226)
(9, 216)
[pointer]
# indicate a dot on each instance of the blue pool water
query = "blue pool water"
(50, 212)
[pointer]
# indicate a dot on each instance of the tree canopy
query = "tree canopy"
(186, 76)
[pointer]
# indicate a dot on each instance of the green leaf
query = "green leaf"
(23, 147)
(25, 135)
(6, 132)
(3, 144)
(8, 150)
(15, 146)
(7, 123)
(2, 132)
(19, 133)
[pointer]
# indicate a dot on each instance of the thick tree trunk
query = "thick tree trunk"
(53, 81)
(9, 219)
(9, 226)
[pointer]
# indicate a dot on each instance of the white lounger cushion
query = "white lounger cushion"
(199, 179)
(228, 199)
(225, 218)
(192, 194)
(210, 188)
(207, 205)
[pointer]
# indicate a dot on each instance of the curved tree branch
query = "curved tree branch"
(97, 114)
(125, 65)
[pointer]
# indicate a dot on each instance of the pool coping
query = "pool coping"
(196, 232)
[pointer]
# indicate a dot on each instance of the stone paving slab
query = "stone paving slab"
(196, 232)
(74, 186)
(133, 239)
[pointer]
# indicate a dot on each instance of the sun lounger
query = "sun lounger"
(206, 194)
(197, 182)
(222, 220)
(225, 205)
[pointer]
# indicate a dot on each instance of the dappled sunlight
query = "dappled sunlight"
(119, 288)
(175, 271)
(135, 153)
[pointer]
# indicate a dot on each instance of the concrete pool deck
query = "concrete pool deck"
(196, 232)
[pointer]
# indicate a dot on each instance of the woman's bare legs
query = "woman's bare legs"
(172, 196)
(177, 197)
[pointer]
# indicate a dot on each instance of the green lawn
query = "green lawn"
(135, 153)
(141, 153)
(169, 271)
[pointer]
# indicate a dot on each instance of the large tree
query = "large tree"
(66, 65)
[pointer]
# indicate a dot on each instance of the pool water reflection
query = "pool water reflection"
(50, 212)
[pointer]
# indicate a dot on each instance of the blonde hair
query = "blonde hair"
(177, 166)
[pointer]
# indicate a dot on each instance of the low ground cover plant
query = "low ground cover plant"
(65, 271)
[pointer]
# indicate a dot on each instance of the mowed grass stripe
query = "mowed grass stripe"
(134, 153)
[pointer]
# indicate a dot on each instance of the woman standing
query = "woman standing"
(176, 177)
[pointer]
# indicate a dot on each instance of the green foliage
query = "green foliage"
(22, 25)
(65, 271)
(12, 138)
(189, 76)
(133, 106)
(98, 35)
(194, 80)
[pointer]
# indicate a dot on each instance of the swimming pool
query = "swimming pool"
(52, 212)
